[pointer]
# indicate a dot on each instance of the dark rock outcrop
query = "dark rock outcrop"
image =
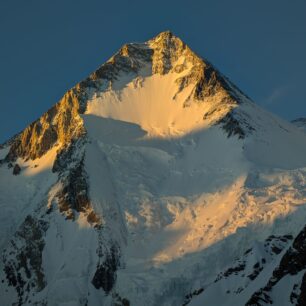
(16, 169)
(235, 125)
(105, 275)
(245, 270)
(301, 301)
(189, 296)
(73, 197)
(74, 194)
(292, 262)
(23, 258)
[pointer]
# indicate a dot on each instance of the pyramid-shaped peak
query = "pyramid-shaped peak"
(166, 38)
(165, 41)
(189, 78)
(162, 52)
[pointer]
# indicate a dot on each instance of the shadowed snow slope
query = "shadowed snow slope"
(149, 183)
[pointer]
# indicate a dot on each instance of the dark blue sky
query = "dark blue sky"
(48, 46)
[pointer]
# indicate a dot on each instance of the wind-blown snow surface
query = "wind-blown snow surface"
(191, 197)
(178, 196)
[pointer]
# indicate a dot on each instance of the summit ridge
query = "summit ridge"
(162, 55)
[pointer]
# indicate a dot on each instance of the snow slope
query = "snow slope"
(153, 178)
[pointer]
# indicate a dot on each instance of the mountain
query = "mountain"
(154, 181)
(300, 123)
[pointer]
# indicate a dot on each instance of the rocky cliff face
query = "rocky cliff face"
(61, 124)
(291, 263)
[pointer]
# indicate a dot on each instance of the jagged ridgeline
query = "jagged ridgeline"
(62, 123)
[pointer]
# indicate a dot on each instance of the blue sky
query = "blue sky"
(48, 46)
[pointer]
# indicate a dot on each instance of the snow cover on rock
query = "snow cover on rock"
(177, 175)
(300, 123)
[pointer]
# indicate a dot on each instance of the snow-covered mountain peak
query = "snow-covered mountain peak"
(165, 88)
(145, 182)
